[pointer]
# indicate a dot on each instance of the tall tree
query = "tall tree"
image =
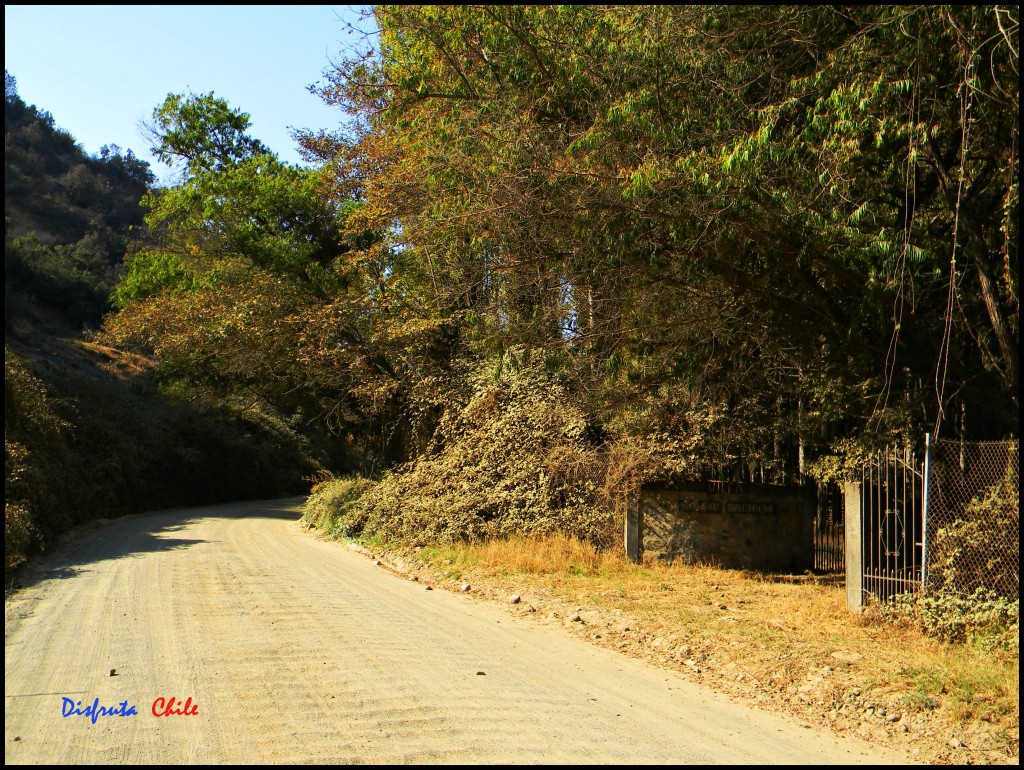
(202, 132)
(256, 285)
(803, 219)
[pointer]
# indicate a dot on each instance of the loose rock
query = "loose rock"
(515, 599)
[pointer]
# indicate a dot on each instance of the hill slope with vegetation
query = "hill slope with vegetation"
(67, 216)
(87, 431)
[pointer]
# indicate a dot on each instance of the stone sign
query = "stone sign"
(747, 526)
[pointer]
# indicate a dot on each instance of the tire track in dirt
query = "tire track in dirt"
(298, 650)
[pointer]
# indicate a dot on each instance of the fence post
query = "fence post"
(924, 511)
(854, 546)
(632, 533)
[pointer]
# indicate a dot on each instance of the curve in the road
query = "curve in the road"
(297, 650)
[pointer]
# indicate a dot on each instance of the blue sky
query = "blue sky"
(99, 70)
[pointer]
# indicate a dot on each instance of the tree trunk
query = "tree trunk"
(996, 315)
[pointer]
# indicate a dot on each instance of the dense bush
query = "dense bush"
(981, 548)
(510, 457)
(330, 503)
(984, 617)
(35, 455)
(66, 277)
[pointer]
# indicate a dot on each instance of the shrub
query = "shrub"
(511, 457)
(981, 549)
(331, 502)
(35, 453)
(65, 277)
(984, 617)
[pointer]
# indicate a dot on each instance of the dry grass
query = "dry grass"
(120, 363)
(552, 554)
(769, 638)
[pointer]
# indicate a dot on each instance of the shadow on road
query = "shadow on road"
(138, 534)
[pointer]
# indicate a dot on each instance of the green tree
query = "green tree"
(201, 132)
(751, 212)
(256, 286)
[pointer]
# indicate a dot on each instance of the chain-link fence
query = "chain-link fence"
(973, 517)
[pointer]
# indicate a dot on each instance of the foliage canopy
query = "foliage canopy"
(804, 219)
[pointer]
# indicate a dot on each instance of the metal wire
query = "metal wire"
(974, 517)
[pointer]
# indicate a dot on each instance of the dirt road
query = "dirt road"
(297, 650)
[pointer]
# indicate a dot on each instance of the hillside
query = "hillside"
(87, 431)
(67, 217)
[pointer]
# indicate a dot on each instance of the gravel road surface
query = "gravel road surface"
(297, 650)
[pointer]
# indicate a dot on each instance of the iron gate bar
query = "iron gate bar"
(924, 510)
(890, 507)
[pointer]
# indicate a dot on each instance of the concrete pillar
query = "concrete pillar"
(854, 547)
(632, 533)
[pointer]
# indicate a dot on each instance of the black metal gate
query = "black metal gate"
(891, 506)
(829, 530)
